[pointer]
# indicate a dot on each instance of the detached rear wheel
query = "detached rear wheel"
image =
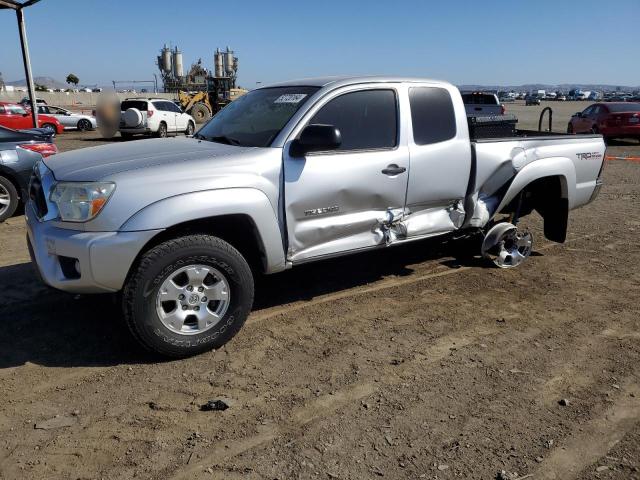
(188, 295)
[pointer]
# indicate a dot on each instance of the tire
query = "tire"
(132, 117)
(162, 130)
(84, 125)
(51, 127)
(9, 199)
(595, 130)
(570, 129)
(200, 113)
(190, 129)
(175, 261)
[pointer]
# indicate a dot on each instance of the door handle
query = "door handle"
(394, 169)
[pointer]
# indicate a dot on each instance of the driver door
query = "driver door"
(336, 200)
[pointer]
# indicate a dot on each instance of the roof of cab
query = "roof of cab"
(339, 81)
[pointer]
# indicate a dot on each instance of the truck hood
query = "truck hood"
(97, 163)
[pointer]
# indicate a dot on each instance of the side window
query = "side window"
(159, 106)
(588, 111)
(432, 115)
(2, 110)
(367, 119)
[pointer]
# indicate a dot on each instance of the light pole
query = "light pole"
(18, 7)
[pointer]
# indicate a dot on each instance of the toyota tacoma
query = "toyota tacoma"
(288, 174)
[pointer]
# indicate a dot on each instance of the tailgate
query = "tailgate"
(588, 158)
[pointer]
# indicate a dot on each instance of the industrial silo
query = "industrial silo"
(178, 70)
(228, 63)
(165, 59)
(218, 64)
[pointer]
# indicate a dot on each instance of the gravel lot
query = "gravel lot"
(409, 363)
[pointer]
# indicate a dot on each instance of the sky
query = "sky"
(485, 42)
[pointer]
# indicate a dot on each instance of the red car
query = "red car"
(17, 117)
(612, 120)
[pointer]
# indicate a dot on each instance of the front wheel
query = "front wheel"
(188, 295)
(570, 129)
(190, 129)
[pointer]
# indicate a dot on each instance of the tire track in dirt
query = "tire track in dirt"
(325, 405)
(78, 374)
(595, 438)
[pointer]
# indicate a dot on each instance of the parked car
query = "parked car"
(533, 99)
(612, 120)
(69, 120)
(153, 116)
(27, 101)
(481, 104)
(19, 151)
(561, 98)
(285, 175)
(18, 117)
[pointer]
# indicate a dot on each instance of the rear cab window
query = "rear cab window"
(479, 99)
(433, 118)
(367, 119)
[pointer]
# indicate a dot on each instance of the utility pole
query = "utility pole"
(27, 66)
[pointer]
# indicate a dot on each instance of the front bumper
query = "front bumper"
(82, 262)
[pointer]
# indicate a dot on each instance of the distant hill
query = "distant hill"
(565, 87)
(48, 82)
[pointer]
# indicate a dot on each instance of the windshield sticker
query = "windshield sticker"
(290, 98)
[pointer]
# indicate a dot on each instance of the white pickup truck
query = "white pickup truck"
(288, 174)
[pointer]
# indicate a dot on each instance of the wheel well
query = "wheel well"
(549, 197)
(238, 230)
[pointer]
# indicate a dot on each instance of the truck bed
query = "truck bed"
(534, 134)
(497, 162)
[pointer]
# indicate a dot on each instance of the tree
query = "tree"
(71, 78)
(40, 88)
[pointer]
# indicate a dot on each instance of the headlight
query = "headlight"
(80, 201)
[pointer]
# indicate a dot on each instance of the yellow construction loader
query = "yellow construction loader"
(203, 105)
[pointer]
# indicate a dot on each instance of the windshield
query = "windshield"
(256, 118)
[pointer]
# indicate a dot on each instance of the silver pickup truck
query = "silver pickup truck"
(288, 174)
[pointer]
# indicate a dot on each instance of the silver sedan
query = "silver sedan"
(70, 120)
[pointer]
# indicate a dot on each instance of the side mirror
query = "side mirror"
(316, 138)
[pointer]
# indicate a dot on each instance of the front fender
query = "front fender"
(548, 167)
(211, 203)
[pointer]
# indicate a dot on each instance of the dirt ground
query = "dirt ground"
(408, 363)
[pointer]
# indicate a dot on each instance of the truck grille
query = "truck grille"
(37, 196)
